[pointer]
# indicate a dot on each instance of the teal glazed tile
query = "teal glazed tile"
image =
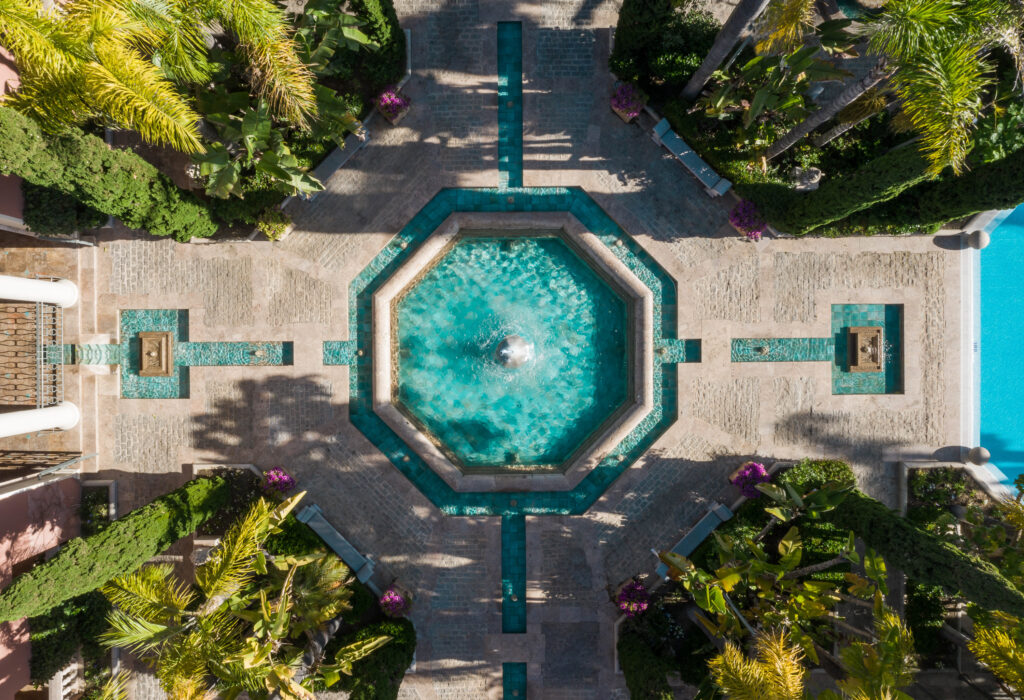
(513, 574)
(782, 349)
(340, 352)
(135, 321)
(513, 681)
(579, 203)
(510, 104)
(232, 354)
(97, 354)
(673, 350)
(890, 379)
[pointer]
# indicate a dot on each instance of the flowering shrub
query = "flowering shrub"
(633, 599)
(277, 479)
(750, 475)
(393, 603)
(747, 219)
(628, 99)
(391, 104)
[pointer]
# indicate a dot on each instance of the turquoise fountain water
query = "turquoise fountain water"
(511, 352)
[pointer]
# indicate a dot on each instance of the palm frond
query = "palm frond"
(867, 105)
(135, 634)
(739, 678)
(903, 27)
(942, 90)
(783, 25)
(1000, 652)
(785, 663)
(150, 593)
(116, 687)
(133, 93)
(178, 42)
(231, 565)
(34, 36)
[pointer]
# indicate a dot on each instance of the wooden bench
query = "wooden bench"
(714, 185)
(716, 515)
(360, 565)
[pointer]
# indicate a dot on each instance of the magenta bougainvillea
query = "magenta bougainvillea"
(393, 603)
(747, 219)
(750, 475)
(628, 99)
(277, 479)
(633, 599)
(391, 103)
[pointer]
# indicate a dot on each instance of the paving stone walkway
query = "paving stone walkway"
(297, 291)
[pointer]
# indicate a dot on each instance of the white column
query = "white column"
(63, 416)
(62, 292)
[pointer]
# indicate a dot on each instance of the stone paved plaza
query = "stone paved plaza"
(297, 290)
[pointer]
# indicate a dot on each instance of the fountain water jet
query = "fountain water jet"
(514, 352)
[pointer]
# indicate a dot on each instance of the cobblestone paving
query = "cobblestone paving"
(297, 290)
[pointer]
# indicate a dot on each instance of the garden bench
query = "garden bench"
(714, 184)
(360, 565)
(716, 515)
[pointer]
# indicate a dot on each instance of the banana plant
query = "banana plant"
(322, 29)
(815, 503)
(768, 87)
(249, 141)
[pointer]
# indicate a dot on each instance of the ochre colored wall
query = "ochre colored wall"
(30, 523)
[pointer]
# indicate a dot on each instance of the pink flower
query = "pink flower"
(633, 599)
(747, 219)
(393, 603)
(750, 475)
(628, 99)
(391, 103)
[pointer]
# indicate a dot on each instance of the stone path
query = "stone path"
(297, 291)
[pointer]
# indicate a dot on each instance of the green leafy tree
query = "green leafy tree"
(745, 12)
(247, 624)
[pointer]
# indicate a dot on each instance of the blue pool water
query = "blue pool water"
(1001, 322)
(451, 322)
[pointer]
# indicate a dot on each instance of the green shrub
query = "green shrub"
(813, 474)
(56, 635)
(84, 564)
(295, 539)
(385, 66)
(660, 47)
(995, 185)
(645, 672)
(113, 181)
(925, 614)
(924, 557)
(379, 675)
(880, 180)
(273, 223)
(48, 212)
(93, 510)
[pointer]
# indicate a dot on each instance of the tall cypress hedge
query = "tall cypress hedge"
(85, 564)
(880, 180)
(926, 558)
(995, 185)
(113, 181)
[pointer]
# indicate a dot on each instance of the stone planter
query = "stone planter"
(624, 115)
(397, 118)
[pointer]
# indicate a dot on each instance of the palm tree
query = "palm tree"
(240, 629)
(783, 25)
(742, 15)
(127, 61)
(934, 53)
(880, 668)
(777, 672)
(1001, 653)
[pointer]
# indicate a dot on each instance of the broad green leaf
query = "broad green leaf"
(773, 492)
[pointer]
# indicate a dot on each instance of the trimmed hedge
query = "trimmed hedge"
(57, 635)
(385, 66)
(659, 47)
(926, 558)
(114, 181)
(84, 564)
(995, 185)
(878, 181)
(49, 212)
(645, 672)
(379, 675)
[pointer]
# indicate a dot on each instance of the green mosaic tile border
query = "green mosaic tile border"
(340, 352)
(546, 199)
(510, 104)
(513, 574)
(513, 681)
(782, 349)
(675, 350)
(890, 379)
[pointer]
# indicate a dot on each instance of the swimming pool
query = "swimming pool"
(1001, 321)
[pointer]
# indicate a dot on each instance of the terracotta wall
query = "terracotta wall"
(30, 523)
(10, 186)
